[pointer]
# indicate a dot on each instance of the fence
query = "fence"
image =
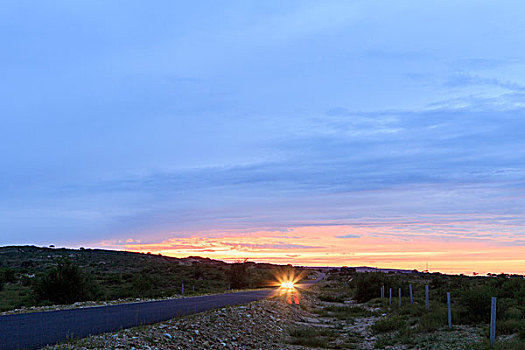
(449, 308)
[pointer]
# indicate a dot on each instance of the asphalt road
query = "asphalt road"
(38, 329)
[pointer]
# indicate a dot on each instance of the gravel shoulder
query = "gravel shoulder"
(258, 325)
(266, 324)
(289, 321)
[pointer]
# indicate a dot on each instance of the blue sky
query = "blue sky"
(167, 119)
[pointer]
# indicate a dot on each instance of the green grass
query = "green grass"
(13, 296)
(384, 340)
(318, 337)
(510, 326)
(513, 344)
(345, 312)
(432, 320)
(388, 324)
(331, 298)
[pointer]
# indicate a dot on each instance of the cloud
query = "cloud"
(256, 246)
(483, 63)
(348, 236)
(441, 160)
(269, 119)
(466, 79)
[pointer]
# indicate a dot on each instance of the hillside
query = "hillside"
(121, 275)
(40, 258)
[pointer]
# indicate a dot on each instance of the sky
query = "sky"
(322, 133)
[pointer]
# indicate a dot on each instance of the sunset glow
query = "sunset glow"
(300, 132)
(404, 248)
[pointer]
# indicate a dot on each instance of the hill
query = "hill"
(121, 275)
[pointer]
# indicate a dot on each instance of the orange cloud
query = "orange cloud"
(406, 246)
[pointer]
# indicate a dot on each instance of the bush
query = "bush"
(332, 298)
(146, 285)
(65, 284)
(416, 310)
(237, 275)
(7, 275)
(510, 326)
(521, 330)
(388, 324)
(368, 285)
(433, 320)
(311, 336)
(512, 288)
(475, 304)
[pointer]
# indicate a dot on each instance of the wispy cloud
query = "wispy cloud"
(348, 236)
(264, 128)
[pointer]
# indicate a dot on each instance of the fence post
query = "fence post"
(449, 314)
(411, 297)
(390, 297)
(426, 297)
(399, 297)
(382, 292)
(493, 321)
(182, 287)
(193, 288)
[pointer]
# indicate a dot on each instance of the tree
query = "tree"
(237, 274)
(7, 275)
(65, 284)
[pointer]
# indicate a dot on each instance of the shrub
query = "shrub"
(510, 326)
(383, 341)
(310, 336)
(65, 284)
(345, 312)
(433, 320)
(332, 298)
(388, 324)
(147, 285)
(475, 304)
(368, 285)
(521, 330)
(512, 288)
(6, 275)
(237, 275)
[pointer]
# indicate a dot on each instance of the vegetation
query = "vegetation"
(331, 298)
(7, 275)
(65, 284)
(33, 276)
(311, 336)
(345, 312)
(413, 326)
(237, 274)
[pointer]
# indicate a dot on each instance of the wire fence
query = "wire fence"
(492, 333)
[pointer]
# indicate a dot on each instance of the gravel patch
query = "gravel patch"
(258, 325)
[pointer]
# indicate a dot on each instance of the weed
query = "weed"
(388, 324)
(432, 320)
(383, 341)
(513, 344)
(333, 298)
(311, 336)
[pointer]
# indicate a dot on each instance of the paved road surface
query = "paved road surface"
(38, 329)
